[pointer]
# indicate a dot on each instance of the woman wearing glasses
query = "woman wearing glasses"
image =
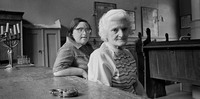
(73, 56)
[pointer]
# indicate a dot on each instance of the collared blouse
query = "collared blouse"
(72, 54)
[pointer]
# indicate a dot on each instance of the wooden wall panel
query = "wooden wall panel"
(196, 64)
(175, 62)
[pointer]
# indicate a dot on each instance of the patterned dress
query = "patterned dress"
(126, 74)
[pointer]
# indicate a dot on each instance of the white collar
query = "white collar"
(113, 49)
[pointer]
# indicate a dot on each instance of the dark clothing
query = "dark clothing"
(72, 54)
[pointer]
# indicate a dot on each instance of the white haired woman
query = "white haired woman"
(112, 64)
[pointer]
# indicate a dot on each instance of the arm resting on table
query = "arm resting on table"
(71, 72)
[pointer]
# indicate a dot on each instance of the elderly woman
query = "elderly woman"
(112, 64)
(73, 56)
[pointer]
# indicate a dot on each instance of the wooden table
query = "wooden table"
(36, 82)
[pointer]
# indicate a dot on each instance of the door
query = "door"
(41, 45)
(34, 46)
(38, 48)
(52, 44)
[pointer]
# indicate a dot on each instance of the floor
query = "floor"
(178, 95)
(174, 92)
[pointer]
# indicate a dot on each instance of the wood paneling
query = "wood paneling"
(177, 63)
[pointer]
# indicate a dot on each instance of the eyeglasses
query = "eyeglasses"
(81, 30)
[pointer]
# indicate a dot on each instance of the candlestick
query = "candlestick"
(18, 30)
(14, 30)
(7, 26)
(11, 31)
(1, 30)
(9, 41)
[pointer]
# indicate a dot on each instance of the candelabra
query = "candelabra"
(10, 40)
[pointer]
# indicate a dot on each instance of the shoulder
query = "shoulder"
(102, 59)
(66, 48)
(131, 53)
(67, 45)
(101, 51)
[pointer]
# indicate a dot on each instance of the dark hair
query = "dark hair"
(74, 24)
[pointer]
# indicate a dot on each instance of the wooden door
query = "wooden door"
(34, 46)
(41, 45)
(38, 48)
(52, 44)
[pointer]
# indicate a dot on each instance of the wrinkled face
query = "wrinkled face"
(118, 31)
(81, 33)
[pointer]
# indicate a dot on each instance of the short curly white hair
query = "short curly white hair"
(119, 14)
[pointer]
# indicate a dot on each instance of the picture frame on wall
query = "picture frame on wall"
(185, 21)
(99, 9)
(150, 20)
(133, 19)
(132, 14)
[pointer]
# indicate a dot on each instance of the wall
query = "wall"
(195, 24)
(168, 9)
(185, 9)
(192, 8)
(48, 11)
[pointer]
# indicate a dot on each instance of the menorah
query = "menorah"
(10, 39)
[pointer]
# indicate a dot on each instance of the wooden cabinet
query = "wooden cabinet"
(176, 60)
(41, 44)
(12, 18)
